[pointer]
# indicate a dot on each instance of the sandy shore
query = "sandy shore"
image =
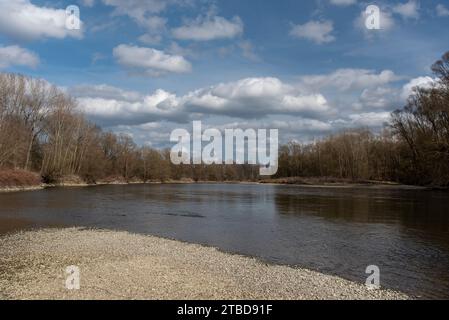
(120, 265)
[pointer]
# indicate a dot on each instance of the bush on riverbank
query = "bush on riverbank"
(18, 178)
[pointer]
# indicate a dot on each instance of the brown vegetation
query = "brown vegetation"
(18, 178)
(414, 149)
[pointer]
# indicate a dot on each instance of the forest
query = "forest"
(42, 133)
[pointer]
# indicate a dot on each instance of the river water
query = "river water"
(336, 231)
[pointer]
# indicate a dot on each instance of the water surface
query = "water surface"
(336, 231)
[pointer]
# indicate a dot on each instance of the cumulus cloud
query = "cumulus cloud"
(377, 98)
(120, 109)
(420, 82)
(254, 103)
(349, 79)
(369, 119)
(23, 20)
(15, 55)
(304, 109)
(246, 98)
(384, 98)
(209, 28)
(408, 10)
(255, 97)
(316, 31)
(149, 60)
(391, 98)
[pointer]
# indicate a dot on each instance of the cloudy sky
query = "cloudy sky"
(308, 68)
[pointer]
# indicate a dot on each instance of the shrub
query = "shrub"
(18, 178)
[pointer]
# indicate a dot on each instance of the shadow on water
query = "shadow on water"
(337, 231)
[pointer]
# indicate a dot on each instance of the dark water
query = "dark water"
(336, 231)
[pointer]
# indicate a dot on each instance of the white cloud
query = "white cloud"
(343, 2)
(209, 28)
(256, 102)
(378, 98)
(15, 55)
(254, 97)
(370, 119)
(442, 11)
(24, 20)
(421, 82)
(409, 9)
(391, 97)
(316, 31)
(150, 60)
(349, 79)
(246, 98)
(364, 98)
(161, 105)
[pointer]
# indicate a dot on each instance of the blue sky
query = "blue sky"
(309, 68)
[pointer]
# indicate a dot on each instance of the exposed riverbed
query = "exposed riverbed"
(120, 265)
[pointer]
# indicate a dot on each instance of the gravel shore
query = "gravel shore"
(120, 265)
(18, 189)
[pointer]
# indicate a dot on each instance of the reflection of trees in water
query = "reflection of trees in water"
(423, 210)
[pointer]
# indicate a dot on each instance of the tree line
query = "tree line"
(42, 130)
(412, 149)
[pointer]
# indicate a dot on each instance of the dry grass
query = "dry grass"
(18, 178)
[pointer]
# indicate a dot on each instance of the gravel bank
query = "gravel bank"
(120, 265)
(17, 189)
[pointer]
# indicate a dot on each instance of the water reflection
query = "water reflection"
(338, 231)
(424, 211)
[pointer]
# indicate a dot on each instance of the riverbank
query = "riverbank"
(120, 265)
(339, 185)
(21, 180)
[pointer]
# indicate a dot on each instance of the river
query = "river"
(337, 231)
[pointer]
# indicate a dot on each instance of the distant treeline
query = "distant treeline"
(413, 149)
(42, 130)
